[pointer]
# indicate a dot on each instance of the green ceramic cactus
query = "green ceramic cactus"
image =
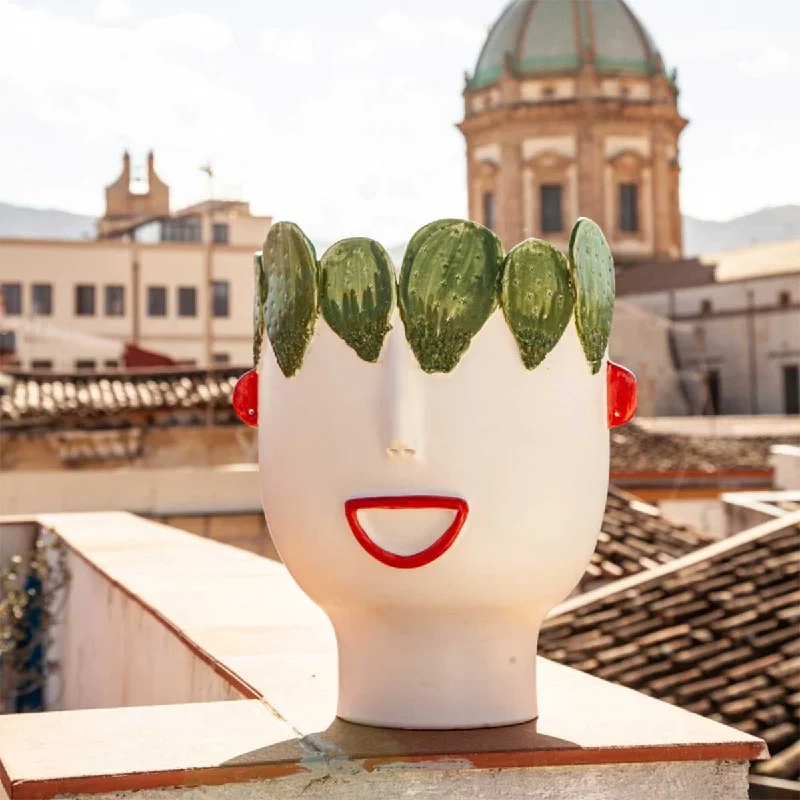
(259, 301)
(592, 272)
(290, 271)
(357, 294)
(449, 286)
(536, 296)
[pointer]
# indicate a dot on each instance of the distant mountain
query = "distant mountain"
(44, 223)
(767, 225)
(700, 236)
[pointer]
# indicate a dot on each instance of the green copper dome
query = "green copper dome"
(541, 37)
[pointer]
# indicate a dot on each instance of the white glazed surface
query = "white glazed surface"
(450, 644)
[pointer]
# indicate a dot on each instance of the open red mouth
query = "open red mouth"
(404, 503)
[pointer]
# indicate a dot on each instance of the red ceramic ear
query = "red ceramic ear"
(245, 398)
(621, 395)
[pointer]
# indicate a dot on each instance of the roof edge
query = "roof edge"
(658, 573)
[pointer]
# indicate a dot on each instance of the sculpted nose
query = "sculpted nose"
(404, 406)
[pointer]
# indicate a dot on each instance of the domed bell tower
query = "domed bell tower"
(570, 113)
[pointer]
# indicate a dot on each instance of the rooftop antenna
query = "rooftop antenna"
(208, 171)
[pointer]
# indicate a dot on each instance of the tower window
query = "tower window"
(157, 301)
(785, 299)
(115, 301)
(187, 301)
(221, 298)
(706, 307)
(11, 298)
(552, 199)
(42, 297)
(84, 300)
(629, 208)
(489, 218)
(220, 233)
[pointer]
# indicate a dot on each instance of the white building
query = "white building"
(179, 284)
(744, 307)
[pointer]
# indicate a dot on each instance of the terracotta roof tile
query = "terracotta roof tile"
(716, 632)
(95, 399)
(635, 450)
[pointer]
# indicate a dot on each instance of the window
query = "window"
(185, 229)
(85, 364)
(11, 299)
(624, 92)
(42, 365)
(629, 208)
(187, 301)
(489, 219)
(157, 301)
(220, 293)
(220, 233)
(84, 301)
(705, 307)
(713, 393)
(111, 363)
(8, 343)
(549, 92)
(115, 301)
(791, 389)
(222, 358)
(42, 299)
(552, 196)
(785, 299)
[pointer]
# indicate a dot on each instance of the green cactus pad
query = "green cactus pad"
(536, 296)
(290, 272)
(449, 286)
(357, 295)
(592, 272)
(259, 302)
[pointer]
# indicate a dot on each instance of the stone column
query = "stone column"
(661, 194)
(510, 227)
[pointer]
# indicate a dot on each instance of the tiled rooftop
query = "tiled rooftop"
(45, 400)
(635, 450)
(635, 536)
(717, 633)
(113, 399)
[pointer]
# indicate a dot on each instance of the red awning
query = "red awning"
(135, 357)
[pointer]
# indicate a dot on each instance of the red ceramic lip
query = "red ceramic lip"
(405, 502)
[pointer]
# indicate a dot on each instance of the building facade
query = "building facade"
(570, 113)
(744, 355)
(179, 284)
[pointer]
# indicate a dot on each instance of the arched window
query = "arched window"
(552, 207)
(629, 208)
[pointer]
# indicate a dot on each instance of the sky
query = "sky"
(341, 115)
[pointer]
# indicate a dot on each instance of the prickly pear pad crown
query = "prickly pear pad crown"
(454, 276)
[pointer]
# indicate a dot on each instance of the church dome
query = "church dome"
(546, 37)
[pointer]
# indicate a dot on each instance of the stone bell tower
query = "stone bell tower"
(124, 203)
(570, 112)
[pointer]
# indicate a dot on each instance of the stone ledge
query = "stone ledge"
(267, 636)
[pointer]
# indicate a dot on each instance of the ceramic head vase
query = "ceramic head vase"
(434, 454)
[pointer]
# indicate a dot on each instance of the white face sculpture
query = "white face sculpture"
(478, 490)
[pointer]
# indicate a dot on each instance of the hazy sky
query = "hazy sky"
(340, 115)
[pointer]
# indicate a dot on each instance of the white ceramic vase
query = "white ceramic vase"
(491, 484)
